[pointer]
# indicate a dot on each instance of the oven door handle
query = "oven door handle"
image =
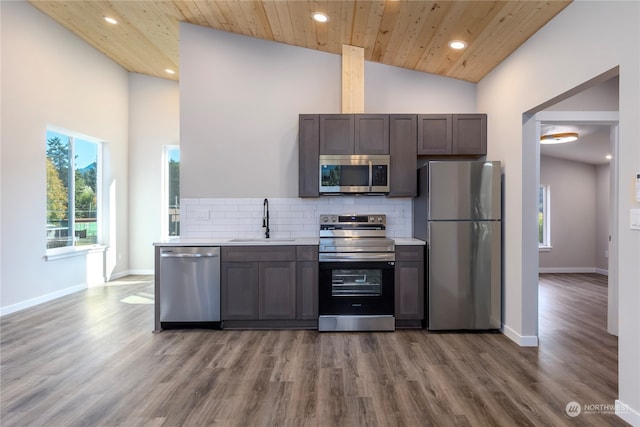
(359, 257)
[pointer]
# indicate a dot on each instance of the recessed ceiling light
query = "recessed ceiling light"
(110, 20)
(169, 71)
(320, 16)
(558, 138)
(457, 44)
(608, 157)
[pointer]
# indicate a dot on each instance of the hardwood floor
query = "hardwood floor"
(90, 359)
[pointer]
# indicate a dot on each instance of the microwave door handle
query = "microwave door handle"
(370, 175)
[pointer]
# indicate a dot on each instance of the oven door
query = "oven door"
(356, 288)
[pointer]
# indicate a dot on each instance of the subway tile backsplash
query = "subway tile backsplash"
(289, 217)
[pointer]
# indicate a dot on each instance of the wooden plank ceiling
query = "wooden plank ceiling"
(408, 34)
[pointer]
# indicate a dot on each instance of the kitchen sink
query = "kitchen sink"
(261, 240)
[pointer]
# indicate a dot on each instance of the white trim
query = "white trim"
(72, 251)
(142, 272)
(522, 341)
(568, 270)
(41, 299)
(544, 248)
(602, 271)
(116, 276)
(627, 413)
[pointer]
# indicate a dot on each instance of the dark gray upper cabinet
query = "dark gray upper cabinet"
(470, 134)
(452, 134)
(354, 134)
(308, 154)
(337, 134)
(402, 142)
(371, 134)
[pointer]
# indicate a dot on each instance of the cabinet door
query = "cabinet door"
(470, 134)
(337, 133)
(409, 290)
(308, 152)
(307, 290)
(434, 134)
(371, 134)
(239, 291)
(277, 290)
(402, 143)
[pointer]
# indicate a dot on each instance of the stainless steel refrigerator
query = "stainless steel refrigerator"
(458, 214)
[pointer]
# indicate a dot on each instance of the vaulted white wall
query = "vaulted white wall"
(52, 78)
(240, 99)
(585, 40)
(153, 124)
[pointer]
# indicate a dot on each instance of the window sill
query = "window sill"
(544, 248)
(69, 252)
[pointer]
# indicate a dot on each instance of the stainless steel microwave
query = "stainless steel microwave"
(360, 174)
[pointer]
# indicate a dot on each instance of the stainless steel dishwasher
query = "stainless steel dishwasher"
(190, 287)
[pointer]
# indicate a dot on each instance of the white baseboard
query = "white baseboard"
(572, 270)
(41, 299)
(116, 276)
(627, 413)
(142, 272)
(521, 340)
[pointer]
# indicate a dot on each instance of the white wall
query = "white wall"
(154, 122)
(52, 78)
(585, 40)
(572, 215)
(240, 99)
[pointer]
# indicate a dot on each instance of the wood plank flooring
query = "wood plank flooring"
(90, 359)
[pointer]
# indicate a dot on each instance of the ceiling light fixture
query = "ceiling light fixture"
(608, 157)
(110, 20)
(457, 44)
(320, 16)
(169, 71)
(558, 138)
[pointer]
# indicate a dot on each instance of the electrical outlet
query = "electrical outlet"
(635, 219)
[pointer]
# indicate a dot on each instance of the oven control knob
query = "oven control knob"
(325, 219)
(379, 219)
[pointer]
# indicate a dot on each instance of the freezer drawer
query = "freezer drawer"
(464, 275)
(190, 284)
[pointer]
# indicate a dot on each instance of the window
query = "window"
(171, 224)
(73, 171)
(543, 217)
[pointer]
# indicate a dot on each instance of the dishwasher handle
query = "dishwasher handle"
(187, 255)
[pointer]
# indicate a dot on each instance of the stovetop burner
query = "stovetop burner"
(355, 238)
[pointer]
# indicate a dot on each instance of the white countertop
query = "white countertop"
(301, 241)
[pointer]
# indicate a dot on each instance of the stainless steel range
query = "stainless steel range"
(357, 263)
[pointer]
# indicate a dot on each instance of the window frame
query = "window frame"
(164, 223)
(73, 250)
(545, 245)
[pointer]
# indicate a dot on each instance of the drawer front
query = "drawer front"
(410, 253)
(307, 253)
(258, 253)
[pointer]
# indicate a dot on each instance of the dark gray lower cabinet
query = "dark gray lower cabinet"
(277, 290)
(307, 283)
(409, 283)
(269, 283)
(239, 301)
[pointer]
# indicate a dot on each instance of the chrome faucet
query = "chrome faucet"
(265, 217)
